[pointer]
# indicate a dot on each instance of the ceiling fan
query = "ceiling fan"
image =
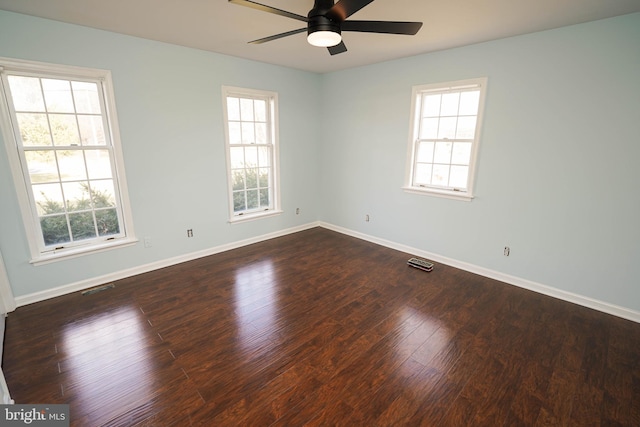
(326, 21)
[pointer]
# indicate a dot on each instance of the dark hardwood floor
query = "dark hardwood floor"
(318, 328)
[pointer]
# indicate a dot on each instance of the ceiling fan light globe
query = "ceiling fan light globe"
(324, 38)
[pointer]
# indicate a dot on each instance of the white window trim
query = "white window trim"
(276, 210)
(467, 195)
(254, 216)
(22, 192)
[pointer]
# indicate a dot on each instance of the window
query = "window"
(59, 126)
(252, 152)
(445, 130)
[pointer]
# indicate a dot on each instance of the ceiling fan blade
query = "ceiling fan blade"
(345, 8)
(269, 9)
(339, 48)
(387, 27)
(278, 36)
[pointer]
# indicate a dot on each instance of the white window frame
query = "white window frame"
(39, 252)
(414, 138)
(273, 143)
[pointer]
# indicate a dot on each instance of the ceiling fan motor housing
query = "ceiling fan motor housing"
(322, 23)
(318, 19)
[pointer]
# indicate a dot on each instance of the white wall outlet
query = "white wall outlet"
(507, 251)
(147, 242)
(190, 232)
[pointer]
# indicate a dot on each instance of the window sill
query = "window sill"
(447, 194)
(65, 254)
(254, 216)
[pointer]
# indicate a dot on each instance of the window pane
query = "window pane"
(107, 222)
(34, 129)
(85, 95)
(469, 103)
(26, 93)
(246, 109)
(264, 197)
(423, 174)
(64, 129)
(238, 201)
(248, 135)
(440, 175)
(261, 133)
(98, 164)
(102, 194)
(264, 157)
(447, 128)
(431, 106)
(82, 225)
(57, 95)
(253, 199)
(235, 136)
(42, 166)
(458, 177)
(237, 157)
(252, 178)
(263, 180)
(91, 130)
(461, 154)
(251, 157)
(429, 128)
(450, 104)
(55, 230)
(260, 110)
(442, 152)
(76, 194)
(425, 152)
(466, 127)
(233, 108)
(71, 165)
(238, 180)
(48, 199)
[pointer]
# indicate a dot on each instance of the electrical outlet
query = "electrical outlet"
(366, 218)
(190, 232)
(507, 251)
(297, 211)
(147, 242)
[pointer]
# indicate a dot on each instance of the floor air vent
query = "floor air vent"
(98, 289)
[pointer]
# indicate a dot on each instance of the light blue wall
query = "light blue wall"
(558, 178)
(170, 113)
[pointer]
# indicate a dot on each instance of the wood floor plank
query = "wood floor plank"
(317, 328)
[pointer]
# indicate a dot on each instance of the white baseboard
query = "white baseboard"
(602, 306)
(107, 278)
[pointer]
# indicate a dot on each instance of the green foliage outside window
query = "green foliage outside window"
(79, 223)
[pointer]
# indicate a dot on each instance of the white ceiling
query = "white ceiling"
(219, 26)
